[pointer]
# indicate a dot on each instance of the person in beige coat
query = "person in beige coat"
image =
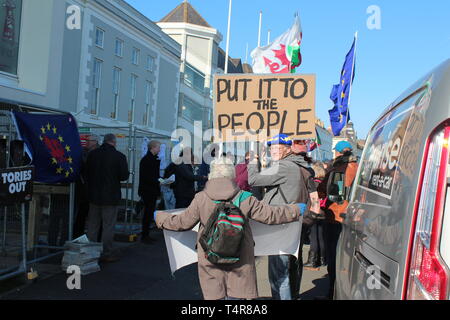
(237, 280)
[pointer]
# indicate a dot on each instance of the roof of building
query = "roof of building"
(247, 68)
(234, 65)
(184, 12)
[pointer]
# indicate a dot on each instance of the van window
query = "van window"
(380, 161)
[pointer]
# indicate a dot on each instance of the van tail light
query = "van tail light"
(426, 275)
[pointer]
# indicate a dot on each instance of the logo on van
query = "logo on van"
(380, 162)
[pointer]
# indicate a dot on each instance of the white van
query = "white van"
(395, 241)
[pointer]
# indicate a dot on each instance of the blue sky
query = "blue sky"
(414, 38)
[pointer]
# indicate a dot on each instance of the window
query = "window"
(194, 78)
(99, 37)
(118, 50)
(116, 90)
(133, 98)
(148, 99)
(135, 56)
(10, 15)
(207, 118)
(191, 110)
(150, 63)
(379, 166)
(96, 83)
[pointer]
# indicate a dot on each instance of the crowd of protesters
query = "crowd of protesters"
(288, 187)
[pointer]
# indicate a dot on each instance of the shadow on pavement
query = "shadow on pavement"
(142, 273)
(320, 289)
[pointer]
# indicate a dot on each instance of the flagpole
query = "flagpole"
(259, 30)
(268, 37)
(290, 61)
(228, 38)
(246, 53)
(351, 78)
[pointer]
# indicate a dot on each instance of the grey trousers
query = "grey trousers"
(106, 217)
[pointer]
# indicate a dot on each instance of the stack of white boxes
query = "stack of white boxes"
(82, 253)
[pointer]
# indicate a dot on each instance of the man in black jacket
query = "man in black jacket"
(149, 189)
(106, 168)
(81, 189)
(184, 188)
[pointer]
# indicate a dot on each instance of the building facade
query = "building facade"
(199, 58)
(101, 60)
(30, 52)
(324, 151)
(129, 69)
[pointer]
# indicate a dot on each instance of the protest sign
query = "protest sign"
(255, 107)
(16, 185)
(269, 240)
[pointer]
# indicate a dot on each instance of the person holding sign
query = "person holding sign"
(236, 279)
(281, 180)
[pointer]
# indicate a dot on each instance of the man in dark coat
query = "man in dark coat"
(184, 188)
(81, 190)
(106, 168)
(149, 188)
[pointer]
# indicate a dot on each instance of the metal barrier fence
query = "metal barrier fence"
(130, 141)
(36, 231)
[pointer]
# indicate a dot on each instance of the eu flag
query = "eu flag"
(53, 144)
(339, 115)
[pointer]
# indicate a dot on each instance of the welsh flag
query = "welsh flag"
(313, 144)
(282, 55)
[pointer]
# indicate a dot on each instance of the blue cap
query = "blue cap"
(280, 139)
(341, 145)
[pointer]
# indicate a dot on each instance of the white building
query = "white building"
(102, 60)
(199, 58)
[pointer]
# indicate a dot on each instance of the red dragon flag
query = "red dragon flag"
(282, 55)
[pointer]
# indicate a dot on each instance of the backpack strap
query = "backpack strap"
(241, 197)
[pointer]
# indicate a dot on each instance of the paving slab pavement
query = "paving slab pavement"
(143, 273)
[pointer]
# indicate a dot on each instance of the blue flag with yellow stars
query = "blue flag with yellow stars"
(53, 144)
(340, 93)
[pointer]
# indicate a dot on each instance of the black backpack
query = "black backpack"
(223, 234)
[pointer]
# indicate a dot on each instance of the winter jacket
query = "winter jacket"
(242, 176)
(282, 179)
(217, 281)
(149, 175)
(203, 171)
(348, 165)
(106, 168)
(184, 186)
(81, 189)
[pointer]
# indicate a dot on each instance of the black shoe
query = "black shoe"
(313, 260)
